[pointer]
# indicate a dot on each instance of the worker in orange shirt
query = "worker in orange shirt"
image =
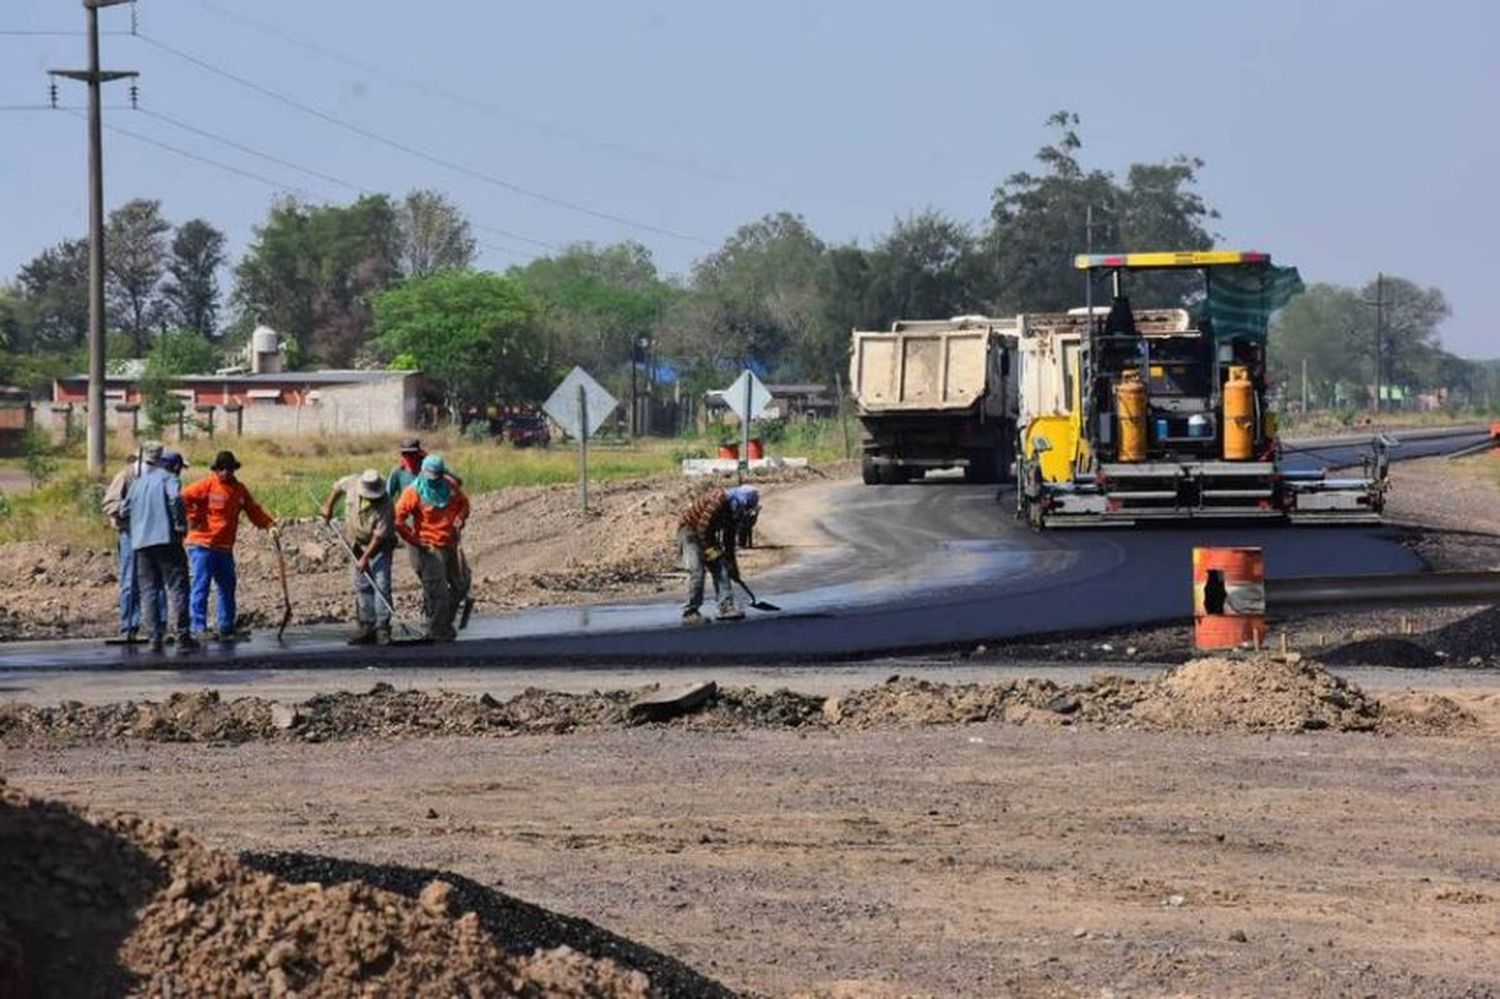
(214, 504)
(430, 516)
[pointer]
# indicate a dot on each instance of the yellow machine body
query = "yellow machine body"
(1239, 415)
(1130, 413)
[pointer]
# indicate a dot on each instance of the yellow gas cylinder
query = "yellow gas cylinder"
(1239, 415)
(1130, 411)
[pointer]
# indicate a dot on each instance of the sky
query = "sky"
(1347, 138)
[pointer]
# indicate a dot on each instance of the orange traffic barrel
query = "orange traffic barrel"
(1495, 431)
(757, 449)
(729, 451)
(1229, 597)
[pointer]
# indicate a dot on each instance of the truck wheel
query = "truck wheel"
(892, 474)
(869, 471)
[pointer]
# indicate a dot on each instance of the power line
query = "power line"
(339, 181)
(495, 110)
(413, 151)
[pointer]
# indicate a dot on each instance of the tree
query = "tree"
(755, 298)
(927, 268)
(596, 303)
(1410, 343)
(313, 269)
(176, 353)
(135, 258)
(475, 332)
(191, 292)
(55, 293)
(1318, 328)
(435, 236)
(1039, 222)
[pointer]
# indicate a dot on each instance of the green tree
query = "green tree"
(1318, 328)
(435, 235)
(1039, 222)
(596, 303)
(1410, 342)
(191, 292)
(474, 332)
(135, 248)
(313, 269)
(754, 299)
(927, 267)
(175, 353)
(55, 292)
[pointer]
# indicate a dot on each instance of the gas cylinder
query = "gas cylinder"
(1239, 415)
(1130, 410)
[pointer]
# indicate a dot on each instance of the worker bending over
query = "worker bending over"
(430, 516)
(707, 534)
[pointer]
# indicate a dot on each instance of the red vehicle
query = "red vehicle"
(527, 431)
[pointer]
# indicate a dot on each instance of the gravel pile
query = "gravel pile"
(118, 905)
(1251, 693)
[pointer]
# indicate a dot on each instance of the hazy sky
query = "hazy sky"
(1345, 137)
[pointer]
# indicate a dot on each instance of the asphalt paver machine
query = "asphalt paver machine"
(1164, 414)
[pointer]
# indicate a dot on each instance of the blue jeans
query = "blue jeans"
(368, 608)
(130, 592)
(212, 566)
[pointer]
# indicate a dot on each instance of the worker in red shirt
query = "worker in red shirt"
(214, 504)
(430, 516)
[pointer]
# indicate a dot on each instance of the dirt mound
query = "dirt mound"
(119, 904)
(1260, 694)
(1477, 635)
(1264, 694)
(1400, 653)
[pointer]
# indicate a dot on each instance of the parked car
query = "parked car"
(527, 431)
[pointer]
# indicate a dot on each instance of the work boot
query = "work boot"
(383, 635)
(692, 618)
(130, 635)
(364, 636)
(156, 643)
(187, 643)
(732, 614)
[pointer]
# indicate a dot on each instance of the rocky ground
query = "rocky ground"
(1233, 826)
(527, 547)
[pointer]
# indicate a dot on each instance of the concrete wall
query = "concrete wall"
(385, 407)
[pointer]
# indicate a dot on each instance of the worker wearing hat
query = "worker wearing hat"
(113, 503)
(707, 534)
(406, 472)
(370, 530)
(154, 511)
(430, 516)
(214, 504)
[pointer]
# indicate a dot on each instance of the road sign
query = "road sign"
(563, 405)
(759, 396)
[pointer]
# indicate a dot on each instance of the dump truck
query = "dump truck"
(1130, 415)
(936, 394)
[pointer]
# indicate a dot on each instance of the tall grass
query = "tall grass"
(290, 476)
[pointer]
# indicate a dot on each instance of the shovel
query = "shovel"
(348, 550)
(286, 594)
(757, 604)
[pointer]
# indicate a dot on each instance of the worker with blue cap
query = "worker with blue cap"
(707, 535)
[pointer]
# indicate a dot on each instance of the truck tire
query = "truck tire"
(891, 474)
(986, 465)
(869, 471)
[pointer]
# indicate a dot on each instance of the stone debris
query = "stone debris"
(1264, 693)
(120, 905)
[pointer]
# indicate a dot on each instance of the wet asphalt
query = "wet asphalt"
(935, 564)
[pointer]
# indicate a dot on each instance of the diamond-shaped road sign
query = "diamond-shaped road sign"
(760, 396)
(562, 405)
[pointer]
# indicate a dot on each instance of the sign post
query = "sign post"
(580, 406)
(748, 398)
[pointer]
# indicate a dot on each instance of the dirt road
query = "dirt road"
(973, 860)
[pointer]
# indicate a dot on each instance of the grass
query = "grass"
(1323, 420)
(289, 476)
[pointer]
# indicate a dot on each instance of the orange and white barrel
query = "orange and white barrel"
(1229, 597)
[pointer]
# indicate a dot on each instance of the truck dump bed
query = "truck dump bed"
(922, 366)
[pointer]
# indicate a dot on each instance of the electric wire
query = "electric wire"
(384, 140)
(495, 110)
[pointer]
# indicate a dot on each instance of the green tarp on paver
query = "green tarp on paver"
(1241, 299)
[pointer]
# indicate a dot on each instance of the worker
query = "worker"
(370, 530)
(707, 534)
(113, 504)
(214, 504)
(430, 516)
(157, 519)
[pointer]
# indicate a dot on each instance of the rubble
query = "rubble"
(117, 904)
(1252, 693)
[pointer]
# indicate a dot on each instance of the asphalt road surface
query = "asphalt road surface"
(930, 565)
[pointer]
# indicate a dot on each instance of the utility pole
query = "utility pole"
(1379, 304)
(1304, 386)
(95, 77)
